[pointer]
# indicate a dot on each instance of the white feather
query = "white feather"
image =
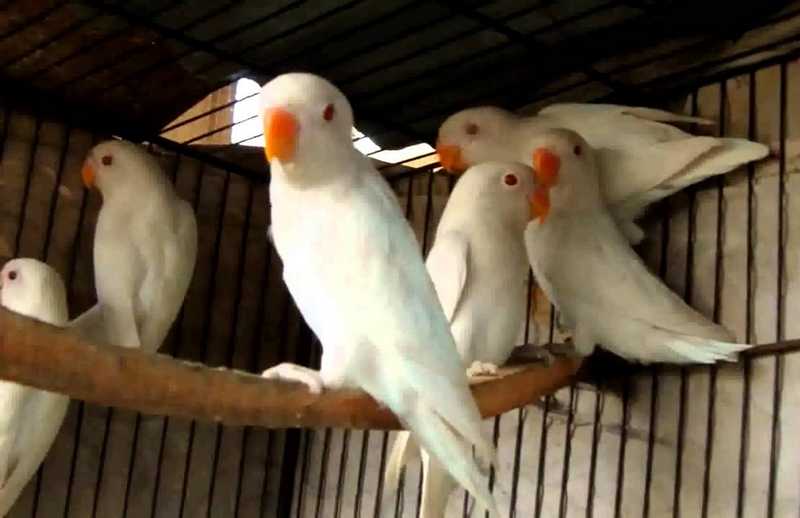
(29, 418)
(144, 250)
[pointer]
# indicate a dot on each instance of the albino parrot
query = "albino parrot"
(476, 262)
(605, 293)
(29, 418)
(353, 266)
(145, 247)
(640, 159)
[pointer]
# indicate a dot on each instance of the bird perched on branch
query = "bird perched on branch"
(605, 293)
(353, 266)
(475, 263)
(145, 248)
(640, 158)
(29, 418)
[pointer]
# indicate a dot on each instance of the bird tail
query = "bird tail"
(91, 325)
(451, 449)
(693, 349)
(672, 165)
(404, 450)
(437, 486)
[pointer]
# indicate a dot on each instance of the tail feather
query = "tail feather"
(691, 349)
(404, 450)
(669, 167)
(450, 449)
(437, 487)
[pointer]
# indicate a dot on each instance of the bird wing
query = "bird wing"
(13, 399)
(614, 283)
(119, 268)
(165, 291)
(448, 266)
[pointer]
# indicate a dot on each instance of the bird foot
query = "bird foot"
(482, 369)
(297, 373)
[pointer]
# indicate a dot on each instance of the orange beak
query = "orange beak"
(87, 173)
(450, 158)
(545, 166)
(280, 134)
(545, 169)
(540, 203)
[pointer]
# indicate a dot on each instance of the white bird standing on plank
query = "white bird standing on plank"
(145, 248)
(29, 418)
(605, 293)
(353, 266)
(476, 262)
(640, 158)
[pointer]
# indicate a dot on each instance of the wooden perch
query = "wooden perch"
(42, 356)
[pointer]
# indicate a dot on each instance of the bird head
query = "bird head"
(502, 190)
(113, 165)
(475, 135)
(307, 121)
(33, 289)
(565, 171)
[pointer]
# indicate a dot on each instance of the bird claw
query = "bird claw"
(297, 373)
(482, 369)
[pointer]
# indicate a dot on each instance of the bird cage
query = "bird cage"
(614, 440)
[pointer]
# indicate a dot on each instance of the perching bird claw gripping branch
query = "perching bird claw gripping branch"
(43, 356)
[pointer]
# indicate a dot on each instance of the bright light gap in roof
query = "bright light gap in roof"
(245, 130)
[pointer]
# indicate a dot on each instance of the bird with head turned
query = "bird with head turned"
(641, 157)
(604, 292)
(145, 248)
(29, 418)
(476, 261)
(355, 271)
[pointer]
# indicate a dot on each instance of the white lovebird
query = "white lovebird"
(145, 248)
(476, 262)
(640, 158)
(354, 268)
(605, 293)
(29, 418)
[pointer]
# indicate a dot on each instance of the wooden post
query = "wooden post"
(43, 356)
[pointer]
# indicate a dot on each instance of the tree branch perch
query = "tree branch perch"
(46, 357)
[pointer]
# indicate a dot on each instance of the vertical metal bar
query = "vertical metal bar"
(626, 393)
(688, 293)
(337, 513)
(178, 338)
(233, 333)
(777, 390)
(569, 432)
(543, 441)
(744, 434)
(44, 256)
(496, 441)
(521, 412)
(76, 242)
(362, 469)
(712, 382)
(323, 472)
(598, 412)
(255, 347)
(27, 189)
(379, 492)
(654, 381)
(206, 326)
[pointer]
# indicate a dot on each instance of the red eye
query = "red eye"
(472, 129)
(328, 113)
(12, 275)
(577, 150)
(510, 179)
(107, 159)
